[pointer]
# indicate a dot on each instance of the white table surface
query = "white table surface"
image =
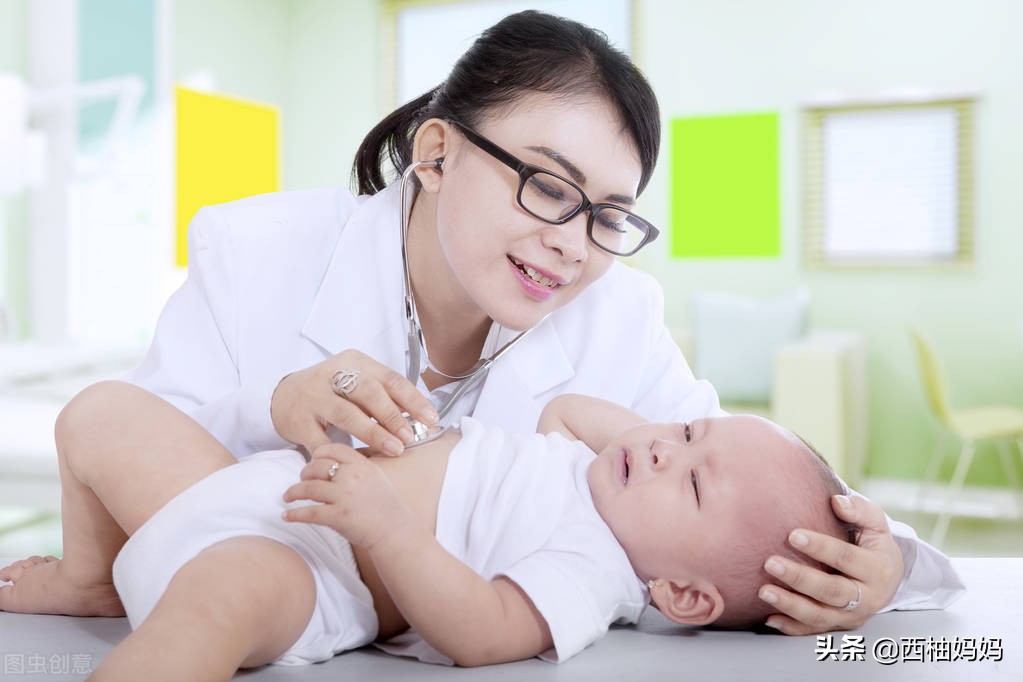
(653, 650)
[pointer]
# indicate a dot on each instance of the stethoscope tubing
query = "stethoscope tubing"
(414, 341)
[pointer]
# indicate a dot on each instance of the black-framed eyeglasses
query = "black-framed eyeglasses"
(556, 200)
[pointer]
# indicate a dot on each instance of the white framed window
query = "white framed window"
(423, 40)
(889, 182)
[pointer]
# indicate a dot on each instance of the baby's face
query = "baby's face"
(680, 498)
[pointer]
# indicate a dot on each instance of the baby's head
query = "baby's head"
(700, 507)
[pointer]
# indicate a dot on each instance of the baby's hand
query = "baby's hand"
(357, 499)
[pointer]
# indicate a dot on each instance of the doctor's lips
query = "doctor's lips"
(539, 276)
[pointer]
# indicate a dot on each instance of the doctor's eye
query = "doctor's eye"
(546, 188)
(609, 223)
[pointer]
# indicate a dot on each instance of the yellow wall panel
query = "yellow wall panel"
(226, 149)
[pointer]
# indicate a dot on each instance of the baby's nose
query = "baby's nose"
(663, 451)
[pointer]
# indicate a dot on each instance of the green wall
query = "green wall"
(332, 104)
(733, 56)
(316, 60)
(241, 44)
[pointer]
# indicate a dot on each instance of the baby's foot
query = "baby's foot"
(42, 586)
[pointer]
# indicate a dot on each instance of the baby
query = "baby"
(476, 548)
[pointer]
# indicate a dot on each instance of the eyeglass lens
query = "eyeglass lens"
(548, 197)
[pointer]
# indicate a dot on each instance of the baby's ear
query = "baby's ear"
(688, 603)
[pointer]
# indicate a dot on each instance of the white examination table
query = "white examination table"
(988, 614)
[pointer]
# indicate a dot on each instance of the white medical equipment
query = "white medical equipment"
(23, 150)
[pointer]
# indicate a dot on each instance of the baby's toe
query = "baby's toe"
(17, 569)
(11, 573)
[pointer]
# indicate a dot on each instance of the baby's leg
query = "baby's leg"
(240, 603)
(123, 454)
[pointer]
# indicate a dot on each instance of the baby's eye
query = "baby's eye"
(687, 432)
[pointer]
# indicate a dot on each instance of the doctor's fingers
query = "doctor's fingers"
(829, 589)
(387, 395)
(409, 398)
(401, 391)
(875, 559)
(350, 418)
(377, 401)
(798, 615)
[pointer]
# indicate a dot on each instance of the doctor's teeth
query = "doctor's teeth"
(537, 277)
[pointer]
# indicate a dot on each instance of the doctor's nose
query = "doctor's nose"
(568, 239)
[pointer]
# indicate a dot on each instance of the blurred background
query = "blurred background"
(841, 230)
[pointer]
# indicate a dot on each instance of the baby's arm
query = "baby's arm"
(591, 420)
(471, 620)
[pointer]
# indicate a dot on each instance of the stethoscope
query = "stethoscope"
(415, 344)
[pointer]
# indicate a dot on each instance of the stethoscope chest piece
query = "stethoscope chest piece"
(421, 433)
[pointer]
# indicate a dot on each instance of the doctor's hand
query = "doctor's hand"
(304, 404)
(821, 602)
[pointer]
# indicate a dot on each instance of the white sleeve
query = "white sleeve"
(580, 583)
(192, 362)
(928, 579)
(667, 390)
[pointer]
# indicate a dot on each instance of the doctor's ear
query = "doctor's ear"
(432, 143)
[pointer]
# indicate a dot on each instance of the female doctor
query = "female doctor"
(521, 173)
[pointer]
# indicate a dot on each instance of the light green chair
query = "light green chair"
(970, 426)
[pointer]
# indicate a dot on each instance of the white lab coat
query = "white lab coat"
(281, 281)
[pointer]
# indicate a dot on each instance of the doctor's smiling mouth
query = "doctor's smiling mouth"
(537, 283)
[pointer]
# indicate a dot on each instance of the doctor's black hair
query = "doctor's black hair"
(525, 52)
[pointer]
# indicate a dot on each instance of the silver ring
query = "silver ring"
(854, 603)
(345, 381)
(332, 471)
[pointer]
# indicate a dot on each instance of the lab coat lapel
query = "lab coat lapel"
(359, 302)
(518, 385)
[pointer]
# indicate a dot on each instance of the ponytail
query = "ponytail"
(527, 52)
(389, 140)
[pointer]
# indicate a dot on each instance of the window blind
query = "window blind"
(889, 183)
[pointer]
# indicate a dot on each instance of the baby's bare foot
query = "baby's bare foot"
(42, 585)
(18, 567)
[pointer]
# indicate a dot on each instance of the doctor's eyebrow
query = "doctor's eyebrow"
(577, 175)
